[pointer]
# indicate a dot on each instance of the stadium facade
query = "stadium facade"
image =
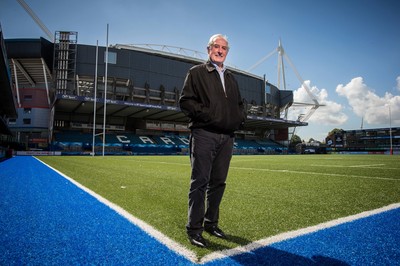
(7, 103)
(63, 88)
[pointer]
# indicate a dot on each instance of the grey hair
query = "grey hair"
(216, 36)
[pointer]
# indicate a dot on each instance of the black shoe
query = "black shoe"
(215, 231)
(197, 240)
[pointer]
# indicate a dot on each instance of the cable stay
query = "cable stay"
(37, 20)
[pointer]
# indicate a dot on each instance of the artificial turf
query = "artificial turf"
(265, 195)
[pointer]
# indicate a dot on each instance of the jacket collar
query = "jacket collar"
(210, 67)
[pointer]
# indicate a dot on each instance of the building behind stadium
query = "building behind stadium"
(355, 141)
(60, 85)
(365, 141)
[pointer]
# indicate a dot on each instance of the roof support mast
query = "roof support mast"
(281, 66)
(281, 74)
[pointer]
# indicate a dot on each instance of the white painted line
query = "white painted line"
(151, 231)
(314, 173)
(292, 234)
(284, 171)
(191, 256)
(367, 165)
(371, 166)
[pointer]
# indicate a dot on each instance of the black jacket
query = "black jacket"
(206, 104)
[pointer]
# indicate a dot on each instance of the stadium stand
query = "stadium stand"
(59, 103)
(8, 142)
(119, 143)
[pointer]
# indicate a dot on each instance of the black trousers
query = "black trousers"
(210, 156)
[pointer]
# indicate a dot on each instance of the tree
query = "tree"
(295, 140)
(335, 131)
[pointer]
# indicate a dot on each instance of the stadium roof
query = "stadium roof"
(176, 52)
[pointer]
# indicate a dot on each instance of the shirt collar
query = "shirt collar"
(217, 67)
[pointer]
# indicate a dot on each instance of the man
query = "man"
(211, 99)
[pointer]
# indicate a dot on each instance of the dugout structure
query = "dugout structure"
(60, 85)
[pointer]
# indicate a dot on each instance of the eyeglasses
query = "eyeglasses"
(217, 46)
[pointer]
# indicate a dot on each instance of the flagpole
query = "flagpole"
(95, 98)
(105, 95)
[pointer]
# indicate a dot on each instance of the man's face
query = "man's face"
(218, 51)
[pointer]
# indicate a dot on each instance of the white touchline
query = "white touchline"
(151, 231)
(191, 256)
(292, 234)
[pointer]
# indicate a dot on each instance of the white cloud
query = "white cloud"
(367, 104)
(329, 114)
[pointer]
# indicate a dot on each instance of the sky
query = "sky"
(346, 52)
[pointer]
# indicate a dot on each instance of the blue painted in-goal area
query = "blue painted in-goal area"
(45, 219)
(373, 240)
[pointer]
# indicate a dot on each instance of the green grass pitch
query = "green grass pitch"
(265, 195)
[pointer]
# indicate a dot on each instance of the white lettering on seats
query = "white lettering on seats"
(167, 140)
(123, 139)
(146, 139)
(185, 140)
